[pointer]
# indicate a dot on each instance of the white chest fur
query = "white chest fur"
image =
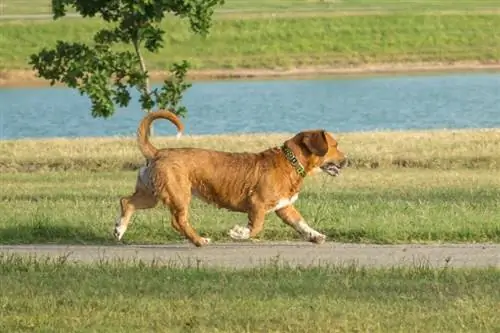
(144, 176)
(282, 203)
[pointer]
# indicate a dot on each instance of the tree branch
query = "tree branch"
(106, 75)
(146, 88)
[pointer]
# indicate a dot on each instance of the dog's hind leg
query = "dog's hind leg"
(178, 203)
(173, 222)
(181, 224)
(141, 199)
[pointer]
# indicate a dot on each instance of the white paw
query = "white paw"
(310, 234)
(239, 233)
(317, 238)
(119, 231)
(205, 241)
(119, 228)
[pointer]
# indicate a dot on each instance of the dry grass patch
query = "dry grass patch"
(425, 149)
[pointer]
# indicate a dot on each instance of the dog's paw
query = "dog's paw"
(317, 238)
(239, 233)
(119, 231)
(203, 241)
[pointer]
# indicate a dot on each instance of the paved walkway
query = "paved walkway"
(244, 255)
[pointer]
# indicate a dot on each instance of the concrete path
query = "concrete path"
(244, 255)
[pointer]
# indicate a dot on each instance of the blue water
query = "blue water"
(359, 104)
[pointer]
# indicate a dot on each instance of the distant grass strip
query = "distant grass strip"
(287, 42)
(56, 296)
(19, 7)
(451, 149)
(363, 206)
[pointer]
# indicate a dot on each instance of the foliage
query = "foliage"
(106, 74)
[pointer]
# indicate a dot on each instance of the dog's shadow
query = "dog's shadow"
(53, 234)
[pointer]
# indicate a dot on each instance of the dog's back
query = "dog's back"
(222, 178)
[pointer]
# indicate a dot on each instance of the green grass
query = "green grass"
(287, 42)
(19, 7)
(117, 297)
(376, 206)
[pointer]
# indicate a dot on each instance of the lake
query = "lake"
(339, 105)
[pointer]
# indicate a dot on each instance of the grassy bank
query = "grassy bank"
(288, 42)
(57, 297)
(19, 7)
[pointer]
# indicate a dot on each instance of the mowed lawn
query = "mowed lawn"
(56, 296)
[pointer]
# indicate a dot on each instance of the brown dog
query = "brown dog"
(252, 183)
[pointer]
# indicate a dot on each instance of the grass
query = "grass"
(367, 206)
(29, 7)
(56, 296)
(287, 42)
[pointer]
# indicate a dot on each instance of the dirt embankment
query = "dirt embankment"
(27, 78)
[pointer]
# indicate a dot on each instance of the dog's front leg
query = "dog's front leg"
(254, 227)
(291, 216)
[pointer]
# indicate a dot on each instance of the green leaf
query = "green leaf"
(170, 94)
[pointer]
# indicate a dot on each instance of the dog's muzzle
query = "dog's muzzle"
(332, 168)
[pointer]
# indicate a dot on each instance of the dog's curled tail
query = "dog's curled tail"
(147, 149)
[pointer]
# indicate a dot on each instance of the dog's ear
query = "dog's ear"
(315, 142)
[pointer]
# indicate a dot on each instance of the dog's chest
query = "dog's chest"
(284, 202)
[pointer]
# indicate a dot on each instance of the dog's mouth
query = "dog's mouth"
(331, 168)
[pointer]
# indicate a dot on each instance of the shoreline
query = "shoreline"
(249, 135)
(18, 78)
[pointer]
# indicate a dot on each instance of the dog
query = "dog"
(251, 183)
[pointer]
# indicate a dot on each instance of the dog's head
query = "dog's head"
(319, 150)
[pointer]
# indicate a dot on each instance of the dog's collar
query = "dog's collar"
(290, 156)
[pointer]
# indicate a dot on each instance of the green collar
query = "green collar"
(290, 156)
